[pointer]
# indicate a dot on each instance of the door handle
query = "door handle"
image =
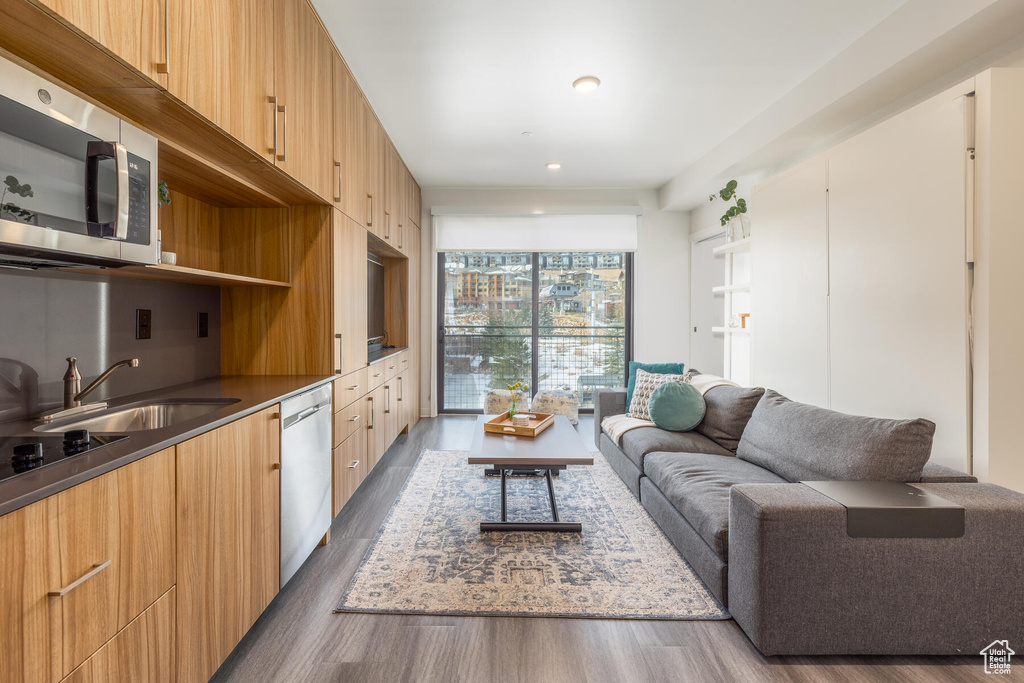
(337, 338)
(355, 464)
(387, 225)
(369, 209)
(95, 151)
(273, 101)
(96, 569)
(370, 425)
(353, 387)
(276, 466)
(353, 419)
(337, 166)
(283, 109)
(165, 66)
(387, 399)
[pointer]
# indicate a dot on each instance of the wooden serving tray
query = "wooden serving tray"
(503, 424)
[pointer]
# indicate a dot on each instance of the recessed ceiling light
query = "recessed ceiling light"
(586, 83)
(554, 165)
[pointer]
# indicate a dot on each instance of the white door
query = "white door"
(897, 273)
(707, 309)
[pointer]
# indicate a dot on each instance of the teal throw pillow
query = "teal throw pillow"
(657, 368)
(677, 406)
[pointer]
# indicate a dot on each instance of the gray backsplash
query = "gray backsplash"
(46, 317)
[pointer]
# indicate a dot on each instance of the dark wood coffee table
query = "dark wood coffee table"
(551, 451)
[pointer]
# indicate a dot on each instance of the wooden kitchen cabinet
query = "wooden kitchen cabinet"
(350, 467)
(221, 64)
(305, 98)
(349, 295)
(131, 29)
(391, 412)
(143, 652)
(352, 116)
(376, 437)
(228, 515)
(83, 564)
(373, 181)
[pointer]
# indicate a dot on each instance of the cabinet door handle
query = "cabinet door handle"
(387, 225)
(387, 399)
(370, 425)
(273, 101)
(392, 367)
(337, 197)
(378, 374)
(165, 66)
(355, 464)
(353, 387)
(283, 109)
(369, 209)
(96, 569)
(337, 338)
(399, 389)
(276, 466)
(353, 419)
(400, 231)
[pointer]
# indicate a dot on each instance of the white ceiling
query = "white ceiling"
(456, 82)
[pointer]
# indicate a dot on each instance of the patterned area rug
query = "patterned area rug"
(429, 556)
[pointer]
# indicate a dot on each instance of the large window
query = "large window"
(554, 320)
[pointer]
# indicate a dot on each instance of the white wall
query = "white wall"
(661, 268)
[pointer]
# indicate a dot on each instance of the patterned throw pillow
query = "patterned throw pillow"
(646, 383)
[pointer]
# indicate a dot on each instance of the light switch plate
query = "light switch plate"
(143, 323)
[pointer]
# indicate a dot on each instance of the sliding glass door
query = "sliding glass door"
(553, 320)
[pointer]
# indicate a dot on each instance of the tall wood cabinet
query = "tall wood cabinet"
(228, 515)
(82, 565)
(349, 294)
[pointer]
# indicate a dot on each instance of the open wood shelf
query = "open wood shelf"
(195, 276)
(735, 247)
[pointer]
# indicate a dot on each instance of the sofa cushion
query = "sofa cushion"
(646, 384)
(677, 406)
(637, 443)
(728, 409)
(697, 485)
(661, 368)
(803, 442)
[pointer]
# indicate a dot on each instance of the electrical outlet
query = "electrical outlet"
(203, 325)
(143, 323)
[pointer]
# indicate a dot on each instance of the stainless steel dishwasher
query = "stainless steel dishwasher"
(305, 476)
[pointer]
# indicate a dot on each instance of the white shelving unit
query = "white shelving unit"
(736, 300)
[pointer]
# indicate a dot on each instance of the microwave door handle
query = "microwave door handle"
(107, 150)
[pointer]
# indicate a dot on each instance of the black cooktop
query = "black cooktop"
(20, 454)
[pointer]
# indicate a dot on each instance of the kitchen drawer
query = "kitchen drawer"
(376, 374)
(349, 388)
(350, 467)
(393, 365)
(348, 420)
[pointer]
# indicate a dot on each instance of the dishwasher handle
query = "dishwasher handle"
(292, 420)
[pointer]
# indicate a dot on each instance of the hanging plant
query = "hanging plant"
(728, 193)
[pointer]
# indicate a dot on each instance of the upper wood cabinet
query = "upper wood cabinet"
(81, 565)
(134, 30)
(373, 137)
(228, 516)
(304, 97)
(350, 114)
(413, 205)
(349, 294)
(221, 63)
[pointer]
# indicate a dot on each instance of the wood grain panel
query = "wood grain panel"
(267, 332)
(373, 169)
(228, 505)
(396, 300)
(304, 85)
(191, 229)
(130, 29)
(144, 652)
(89, 535)
(145, 504)
(30, 622)
(197, 177)
(222, 66)
(348, 420)
(256, 243)
(349, 293)
(350, 388)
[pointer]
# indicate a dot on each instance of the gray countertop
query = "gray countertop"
(255, 393)
(378, 356)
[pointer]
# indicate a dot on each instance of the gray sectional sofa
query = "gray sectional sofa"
(776, 553)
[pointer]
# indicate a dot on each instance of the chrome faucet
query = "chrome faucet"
(73, 392)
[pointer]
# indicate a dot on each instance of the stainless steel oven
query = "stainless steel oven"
(78, 185)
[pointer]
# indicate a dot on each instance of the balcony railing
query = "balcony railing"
(478, 358)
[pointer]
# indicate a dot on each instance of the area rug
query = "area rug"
(429, 556)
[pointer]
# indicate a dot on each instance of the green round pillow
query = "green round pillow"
(677, 406)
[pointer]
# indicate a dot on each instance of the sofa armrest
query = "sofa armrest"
(607, 402)
(798, 584)
(934, 473)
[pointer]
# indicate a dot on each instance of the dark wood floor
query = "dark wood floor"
(298, 638)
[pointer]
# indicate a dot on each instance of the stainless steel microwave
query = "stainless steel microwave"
(78, 185)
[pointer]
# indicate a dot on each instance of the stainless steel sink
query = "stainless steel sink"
(139, 417)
